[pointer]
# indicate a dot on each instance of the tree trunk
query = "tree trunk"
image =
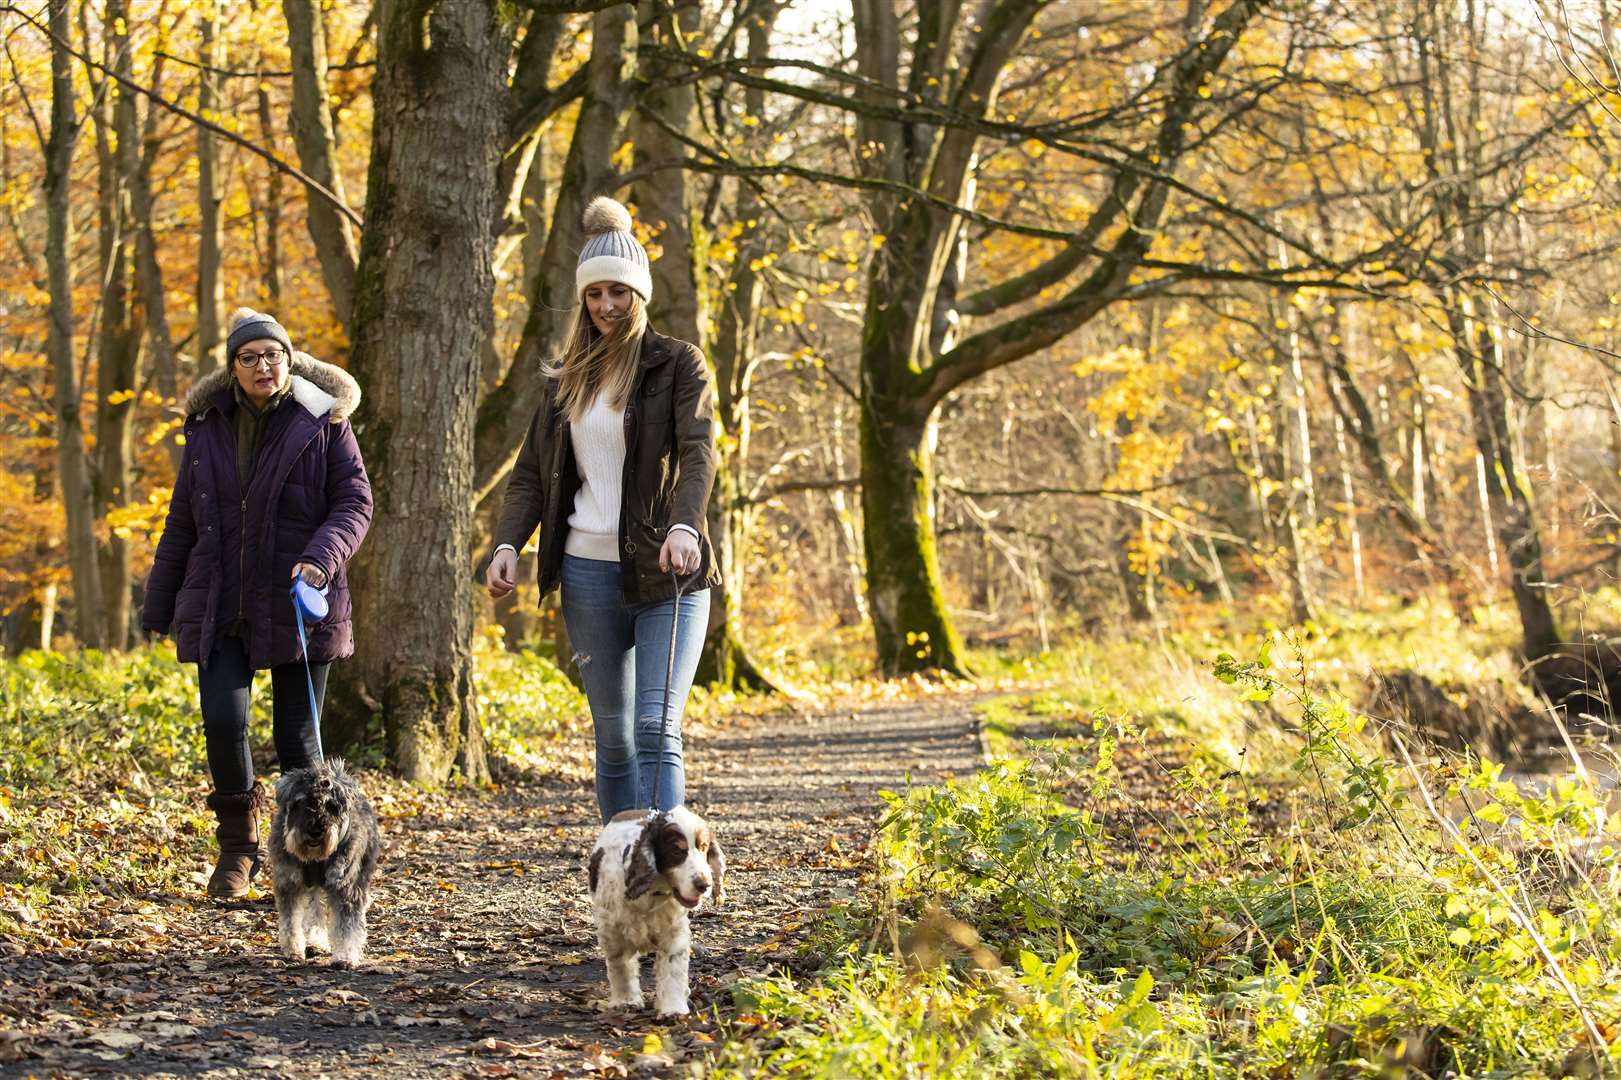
(588, 170)
(1512, 507)
(1133, 586)
(903, 380)
(911, 628)
(73, 462)
(134, 161)
(1450, 135)
(272, 270)
(732, 513)
(1300, 510)
(210, 242)
(664, 202)
(848, 533)
(1348, 493)
(118, 362)
(422, 320)
(311, 122)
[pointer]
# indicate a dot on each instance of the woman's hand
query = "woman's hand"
(498, 577)
(313, 575)
(680, 551)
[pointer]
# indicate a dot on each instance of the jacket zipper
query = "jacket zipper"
(242, 564)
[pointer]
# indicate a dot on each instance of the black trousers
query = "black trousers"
(225, 683)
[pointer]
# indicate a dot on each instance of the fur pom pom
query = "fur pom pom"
(603, 214)
(238, 317)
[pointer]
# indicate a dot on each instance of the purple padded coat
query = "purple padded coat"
(227, 553)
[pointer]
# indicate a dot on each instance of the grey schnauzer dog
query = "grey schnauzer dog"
(323, 850)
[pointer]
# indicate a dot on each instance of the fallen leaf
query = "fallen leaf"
(267, 1061)
(598, 1060)
(501, 1046)
(174, 1031)
(117, 1040)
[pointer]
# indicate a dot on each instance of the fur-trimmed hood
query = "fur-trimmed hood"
(323, 389)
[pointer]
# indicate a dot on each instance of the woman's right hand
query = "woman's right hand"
(498, 577)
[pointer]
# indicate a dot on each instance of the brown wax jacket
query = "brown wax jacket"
(669, 470)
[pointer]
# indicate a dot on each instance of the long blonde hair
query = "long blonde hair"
(594, 362)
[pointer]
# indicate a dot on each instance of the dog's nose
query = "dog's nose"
(702, 885)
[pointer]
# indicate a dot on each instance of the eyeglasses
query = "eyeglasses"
(273, 357)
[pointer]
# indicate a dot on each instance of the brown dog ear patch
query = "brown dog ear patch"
(641, 871)
(670, 845)
(717, 870)
(594, 867)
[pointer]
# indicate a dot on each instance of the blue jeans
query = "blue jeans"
(622, 651)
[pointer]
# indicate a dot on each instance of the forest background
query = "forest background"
(1097, 353)
(1023, 315)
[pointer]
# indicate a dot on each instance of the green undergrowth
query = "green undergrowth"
(103, 772)
(527, 706)
(1166, 884)
(130, 720)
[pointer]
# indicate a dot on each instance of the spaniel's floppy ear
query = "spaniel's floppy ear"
(641, 872)
(717, 870)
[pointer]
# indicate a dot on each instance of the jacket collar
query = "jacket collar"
(655, 348)
(326, 391)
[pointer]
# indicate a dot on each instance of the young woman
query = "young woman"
(616, 471)
(271, 485)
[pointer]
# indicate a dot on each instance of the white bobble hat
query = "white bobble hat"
(611, 251)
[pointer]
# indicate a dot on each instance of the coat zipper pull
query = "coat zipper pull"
(242, 563)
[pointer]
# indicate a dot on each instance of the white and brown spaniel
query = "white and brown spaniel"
(647, 873)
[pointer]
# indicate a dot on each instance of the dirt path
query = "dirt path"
(482, 958)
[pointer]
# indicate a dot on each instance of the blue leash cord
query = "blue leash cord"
(309, 679)
(669, 676)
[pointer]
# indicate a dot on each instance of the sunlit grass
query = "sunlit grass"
(1211, 868)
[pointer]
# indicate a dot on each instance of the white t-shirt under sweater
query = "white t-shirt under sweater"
(599, 456)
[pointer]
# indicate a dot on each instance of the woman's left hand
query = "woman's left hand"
(313, 575)
(681, 552)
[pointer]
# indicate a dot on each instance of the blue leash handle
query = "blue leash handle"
(309, 679)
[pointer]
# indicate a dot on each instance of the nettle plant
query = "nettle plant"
(1004, 843)
(1330, 746)
(1524, 870)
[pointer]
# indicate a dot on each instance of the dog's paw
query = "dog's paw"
(346, 963)
(297, 954)
(318, 941)
(612, 1004)
(671, 1010)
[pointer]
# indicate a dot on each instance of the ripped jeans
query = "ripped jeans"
(622, 651)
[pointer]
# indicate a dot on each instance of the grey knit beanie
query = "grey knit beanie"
(612, 252)
(249, 325)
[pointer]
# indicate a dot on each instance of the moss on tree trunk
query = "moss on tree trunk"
(911, 627)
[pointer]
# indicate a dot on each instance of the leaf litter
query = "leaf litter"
(482, 959)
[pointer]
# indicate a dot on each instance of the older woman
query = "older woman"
(271, 486)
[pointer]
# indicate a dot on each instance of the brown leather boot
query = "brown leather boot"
(238, 836)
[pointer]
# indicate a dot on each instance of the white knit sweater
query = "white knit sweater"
(599, 455)
(598, 438)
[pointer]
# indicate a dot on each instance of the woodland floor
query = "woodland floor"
(482, 959)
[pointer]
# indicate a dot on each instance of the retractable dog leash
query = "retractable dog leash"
(309, 602)
(669, 676)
